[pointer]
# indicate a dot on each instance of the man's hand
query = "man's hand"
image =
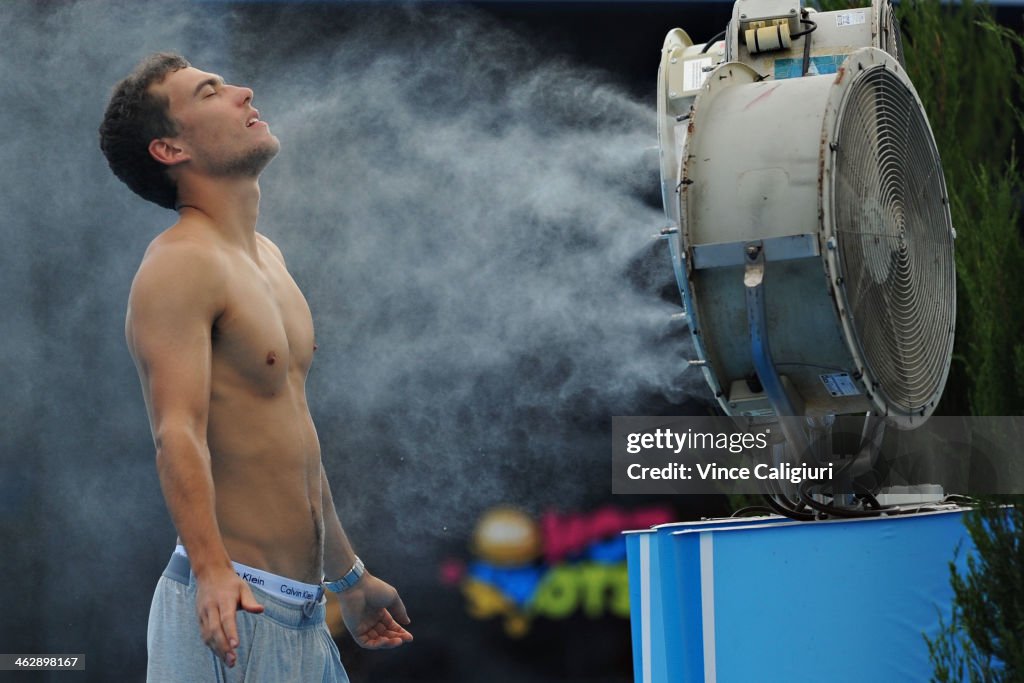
(219, 593)
(367, 610)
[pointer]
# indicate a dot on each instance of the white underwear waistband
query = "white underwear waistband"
(294, 592)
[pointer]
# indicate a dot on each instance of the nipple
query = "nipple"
(315, 346)
(271, 358)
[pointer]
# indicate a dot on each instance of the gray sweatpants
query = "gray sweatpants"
(284, 644)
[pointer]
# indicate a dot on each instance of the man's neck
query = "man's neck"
(230, 206)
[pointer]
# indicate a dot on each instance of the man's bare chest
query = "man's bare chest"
(265, 333)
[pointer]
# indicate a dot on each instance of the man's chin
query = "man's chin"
(252, 163)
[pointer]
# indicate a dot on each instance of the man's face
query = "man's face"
(220, 131)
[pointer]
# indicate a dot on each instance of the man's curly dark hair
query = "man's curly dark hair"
(135, 117)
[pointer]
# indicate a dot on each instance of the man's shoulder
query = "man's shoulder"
(181, 249)
(269, 244)
(180, 260)
(182, 238)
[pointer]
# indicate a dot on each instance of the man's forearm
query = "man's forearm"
(183, 465)
(338, 554)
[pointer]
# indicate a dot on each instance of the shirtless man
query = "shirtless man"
(223, 339)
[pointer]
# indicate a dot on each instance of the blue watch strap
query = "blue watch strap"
(349, 580)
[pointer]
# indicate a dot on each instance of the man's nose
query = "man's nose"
(245, 94)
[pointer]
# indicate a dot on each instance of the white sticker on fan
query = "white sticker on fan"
(840, 384)
(850, 18)
(694, 74)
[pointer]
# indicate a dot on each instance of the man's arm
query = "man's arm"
(371, 607)
(175, 298)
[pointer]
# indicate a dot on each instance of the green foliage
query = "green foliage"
(984, 640)
(991, 278)
(964, 67)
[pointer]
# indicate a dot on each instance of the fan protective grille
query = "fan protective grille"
(891, 40)
(894, 238)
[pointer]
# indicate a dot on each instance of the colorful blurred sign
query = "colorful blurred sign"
(561, 565)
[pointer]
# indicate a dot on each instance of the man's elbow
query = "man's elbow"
(174, 439)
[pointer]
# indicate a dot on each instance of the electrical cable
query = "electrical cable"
(807, 40)
(805, 497)
(805, 20)
(743, 512)
(868, 437)
(865, 494)
(834, 510)
(707, 45)
(785, 506)
(780, 503)
(787, 512)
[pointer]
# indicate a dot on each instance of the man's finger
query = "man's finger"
(228, 633)
(213, 632)
(389, 628)
(248, 601)
(375, 642)
(397, 608)
(385, 633)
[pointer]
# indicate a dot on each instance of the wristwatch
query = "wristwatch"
(349, 580)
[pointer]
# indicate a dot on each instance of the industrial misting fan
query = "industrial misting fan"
(810, 231)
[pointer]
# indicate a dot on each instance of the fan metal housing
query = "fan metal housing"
(838, 179)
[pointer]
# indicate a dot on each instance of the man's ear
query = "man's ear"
(167, 152)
